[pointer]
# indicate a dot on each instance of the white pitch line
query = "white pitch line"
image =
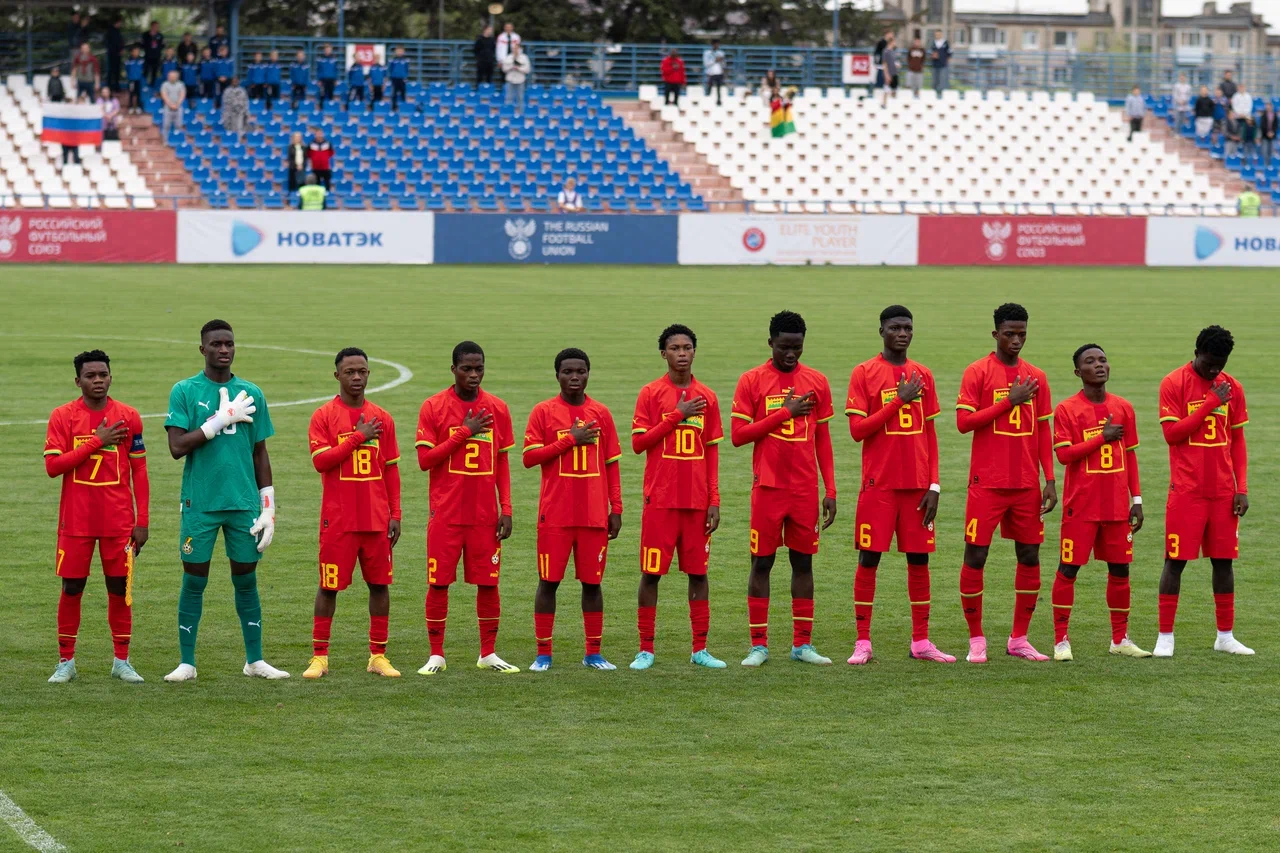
(404, 373)
(28, 830)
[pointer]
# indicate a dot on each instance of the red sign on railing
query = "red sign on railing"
(1029, 240)
(96, 236)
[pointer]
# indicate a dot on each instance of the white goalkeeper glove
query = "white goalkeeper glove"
(265, 523)
(237, 411)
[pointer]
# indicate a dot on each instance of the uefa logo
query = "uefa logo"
(753, 239)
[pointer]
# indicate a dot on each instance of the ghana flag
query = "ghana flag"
(781, 122)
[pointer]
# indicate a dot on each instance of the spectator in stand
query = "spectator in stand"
(169, 63)
(208, 75)
(1242, 102)
(877, 59)
(273, 79)
(133, 79)
(890, 63)
(1267, 127)
(673, 77)
(516, 69)
(235, 108)
(152, 51)
(311, 196)
(320, 151)
(377, 74)
(1181, 102)
(115, 49)
(568, 201)
(1135, 109)
(296, 161)
(506, 43)
(226, 71)
(1227, 86)
(190, 74)
(110, 114)
(218, 40)
(257, 77)
(713, 69)
(770, 86)
(940, 55)
(398, 71)
(1204, 108)
(1220, 108)
(1249, 203)
(327, 73)
(1233, 129)
(55, 92)
(355, 84)
(86, 72)
(172, 96)
(485, 51)
(299, 79)
(1248, 138)
(915, 67)
(76, 32)
(188, 51)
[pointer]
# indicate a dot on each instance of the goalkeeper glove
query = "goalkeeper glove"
(237, 411)
(266, 522)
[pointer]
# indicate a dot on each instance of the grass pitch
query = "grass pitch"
(1103, 753)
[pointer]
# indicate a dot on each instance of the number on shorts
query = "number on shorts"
(1175, 546)
(61, 556)
(431, 570)
(544, 566)
(971, 530)
(652, 561)
(1068, 550)
(329, 575)
(864, 534)
(1106, 456)
(363, 460)
(755, 540)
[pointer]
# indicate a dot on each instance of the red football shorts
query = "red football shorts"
(75, 555)
(1111, 541)
(783, 517)
(883, 514)
(339, 552)
(590, 548)
(1016, 511)
(666, 532)
(1194, 525)
(476, 545)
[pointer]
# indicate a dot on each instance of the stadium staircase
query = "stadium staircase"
(157, 163)
(693, 168)
(1204, 162)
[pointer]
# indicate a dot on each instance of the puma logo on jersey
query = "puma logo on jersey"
(203, 403)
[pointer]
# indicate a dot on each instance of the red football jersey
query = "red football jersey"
(464, 488)
(97, 495)
(355, 496)
(575, 490)
(785, 458)
(1097, 487)
(675, 471)
(1005, 453)
(1201, 465)
(897, 456)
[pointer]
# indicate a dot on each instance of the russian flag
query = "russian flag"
(72, 124)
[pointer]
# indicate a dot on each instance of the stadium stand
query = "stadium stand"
(450, 148)
(1005, 153)
(1263, 175)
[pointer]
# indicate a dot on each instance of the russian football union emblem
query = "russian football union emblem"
(521, 232)
(753, 239)
(997, 234)
(10, 227)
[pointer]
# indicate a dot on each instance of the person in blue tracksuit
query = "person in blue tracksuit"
(133, 69)
(355, 84)
(191, 79)
(169, 63)
(208, 74)
(273, 79)
(377, 73)
(299, 79)
(257, 77)
(398, 71)
(327, 73)
(226, 70)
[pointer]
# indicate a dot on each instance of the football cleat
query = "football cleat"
(124, 671)
(861, 653)
(262, 669)
(926, 650)
(1164, 646)
(65, 671)
(493, 663)
(318, 667)
(1230, 645)
(808, 654)
(184, 672)
(977, 650)
(541, 663)
(1128, 649)
(643, 660)
(1018, 647)
(702, 657)
(434, 664)
(597, 661)
(757, 656)
(379, 665)
(1062, 651)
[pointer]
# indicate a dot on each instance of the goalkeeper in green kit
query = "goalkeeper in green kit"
(220, 424)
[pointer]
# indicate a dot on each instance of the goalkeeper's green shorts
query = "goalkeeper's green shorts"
(200, 531)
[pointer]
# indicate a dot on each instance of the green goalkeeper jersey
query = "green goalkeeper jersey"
(218, 475)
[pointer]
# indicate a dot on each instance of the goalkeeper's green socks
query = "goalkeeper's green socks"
(249, 609)
(190, 607)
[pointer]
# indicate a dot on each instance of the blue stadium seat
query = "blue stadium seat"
(273, 202)
(380, 202)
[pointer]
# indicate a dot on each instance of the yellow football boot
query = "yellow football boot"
(318, 667)
(380, 665)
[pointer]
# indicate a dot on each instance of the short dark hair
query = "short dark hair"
(1216, 341)
(676, 329)
(214, 326)
(568, 353)
(895, 311)
(1075, 358)
(90, 355)
(1010, 312)
(786, 321)
(466, 348)
(346, 351)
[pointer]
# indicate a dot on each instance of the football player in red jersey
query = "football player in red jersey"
(892, 404)
(1203, 413)
(573, 439)
(353, 446)
(1005, 403)
(464, 435)
(783, 408)
(677, 426)
(94, 444)
(1095, 435)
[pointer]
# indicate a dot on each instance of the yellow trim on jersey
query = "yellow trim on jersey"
(713, 441)
(638, 430)
(53, 452)
(316, 453)
(1237, 426)
(1168, 419)
(931, 417)
(1062, 444)
(138, 455)
(746, 418)
(395, 461)
(824, 420)
(529, 447)
(1135, 447)
(966, 408)
(424, 443)
(855, 412)
(1044, 417)
(505, 449)
(614, 459)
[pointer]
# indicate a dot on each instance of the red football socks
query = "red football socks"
(646, 618)
(437, 613)
(1064, 597)
(488, 615)
(971, 599)
(1118, 604)
(758, 620)
(68, 625)
(801, 621)
(1224, 607)
(379, 634)
(320, 628)
(700, 623)
(1026, 591)
(543, 628)
(120, 620)
(919, 595)
(593, 628)
(864, 596)
(1168, 611)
